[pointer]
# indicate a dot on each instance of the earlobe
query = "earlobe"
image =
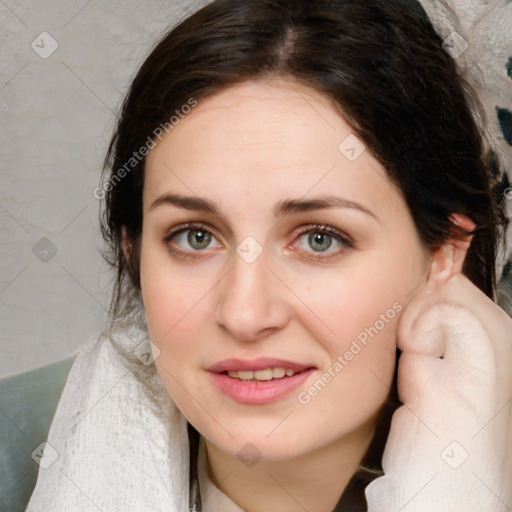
(126, 244)
(448, 259)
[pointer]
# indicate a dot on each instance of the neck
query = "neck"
(314, 481)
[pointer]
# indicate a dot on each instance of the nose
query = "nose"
(252, 301)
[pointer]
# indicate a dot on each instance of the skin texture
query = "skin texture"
(247, 149)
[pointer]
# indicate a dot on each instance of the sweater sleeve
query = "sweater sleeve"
(449, 444)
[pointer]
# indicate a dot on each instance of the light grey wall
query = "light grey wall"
(57, 114)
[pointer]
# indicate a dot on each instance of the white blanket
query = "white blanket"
(122, 444)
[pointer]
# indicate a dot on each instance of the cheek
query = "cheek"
(175, 316)
(361, 357)
(353, 305)
(173, 305)
(355, 319)
(171, 295)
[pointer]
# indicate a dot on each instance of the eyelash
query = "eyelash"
(339, 236)
(186, 255)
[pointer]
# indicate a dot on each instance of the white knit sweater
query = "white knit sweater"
(122, 443)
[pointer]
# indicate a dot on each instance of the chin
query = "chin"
(262, 442)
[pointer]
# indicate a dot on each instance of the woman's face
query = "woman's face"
(274, 248)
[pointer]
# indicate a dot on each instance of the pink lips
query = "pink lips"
(234, 365)
(258, 392)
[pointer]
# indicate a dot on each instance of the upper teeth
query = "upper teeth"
(266, 374)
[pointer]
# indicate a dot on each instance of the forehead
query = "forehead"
(266, 138)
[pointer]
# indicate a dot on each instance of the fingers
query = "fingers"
(448, 353)
(455, 380)
(451, 332)
(459, 311)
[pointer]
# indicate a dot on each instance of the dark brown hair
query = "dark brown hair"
(379, 62)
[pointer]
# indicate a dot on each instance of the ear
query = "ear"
(448, 259)
(126, 244)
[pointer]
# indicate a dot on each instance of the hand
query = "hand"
(450, 444)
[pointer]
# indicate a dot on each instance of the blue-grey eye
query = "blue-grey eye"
(194, 239)
(199, 239)
(320, 242)
(323, 239)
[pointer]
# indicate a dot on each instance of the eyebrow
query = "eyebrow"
(282, 208)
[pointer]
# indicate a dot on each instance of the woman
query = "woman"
(297, 193)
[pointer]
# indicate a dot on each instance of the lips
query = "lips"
(259, 381)
(262, 363)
